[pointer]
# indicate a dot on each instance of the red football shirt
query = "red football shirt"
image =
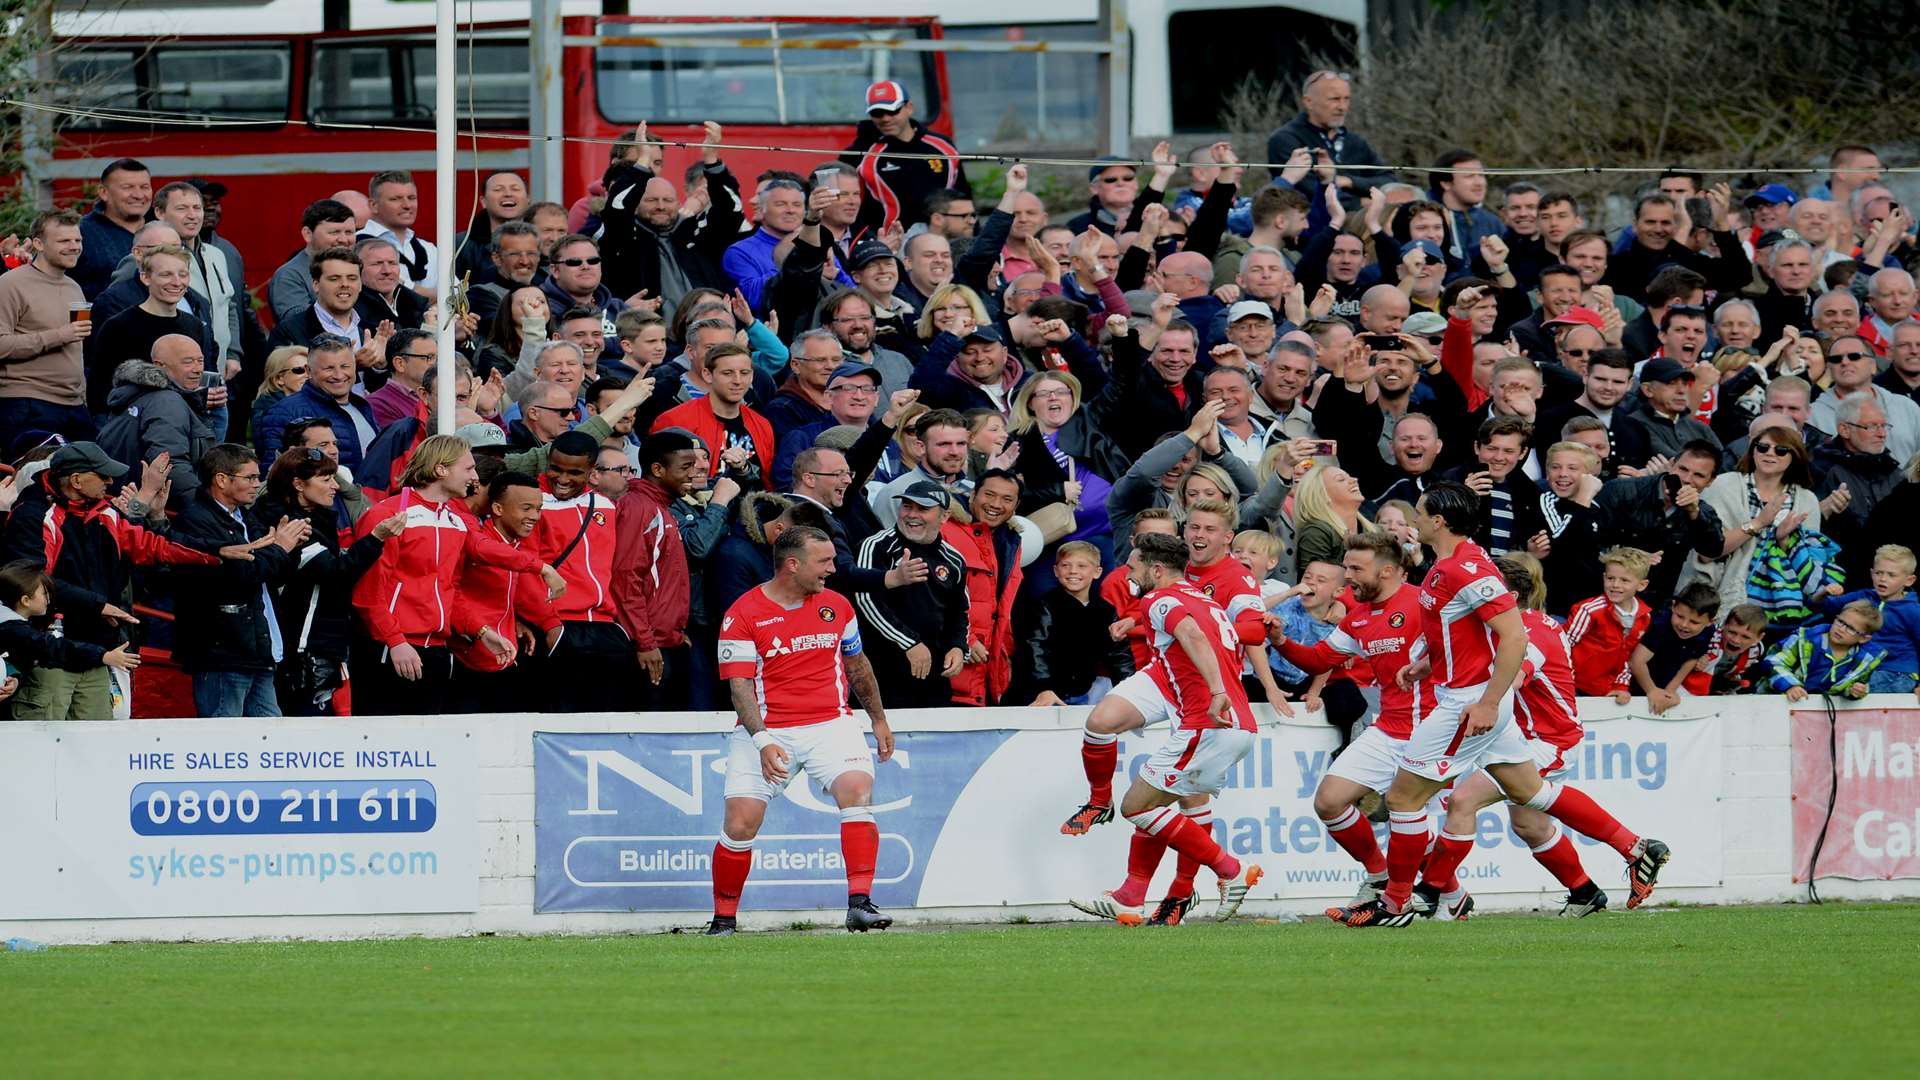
(1173, 671)
(1544, 701)
(1387, 635)
(793, 655)
(1232, 586)
(1462, 593)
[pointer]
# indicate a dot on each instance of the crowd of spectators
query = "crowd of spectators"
(1704, 427)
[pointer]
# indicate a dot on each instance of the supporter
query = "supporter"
(335, 310)
(356, 202)
(991, 550)
(1325, 97)
(1768, 493)
(1890, 297)
(927, 262)
(574, 281)
(1733, 658)
(1667, 514)
(979, 373)
(1281, 393)
(1892, 596)
(1664, 423)
(401, 662)
(885, 146)
(583, 327)
(1158, 477)
(503, 198)
(64, 523)
(324, 226)
(43, 376)
(1902, 375)
(611, 472)
(1062, 457)
(643, 340)
(721, 419)
(410, 355)
(313, 433)
(181, 205)
(876, 273)
(26, 598)
(1131, 627)
(1307, 613)
(943, 435)
(1853, 473)
(329, 394)
(513, 255)
(950, 214)
(1149, 394)
(1675, 642)
(850, 316)
(314, 609)
(520, 329)
(501, 618)
(1834, 660)
(587, 664)
(1852, 364)
(1326, 513)
(126, 194)
(1655, 244)
(1059, 666)
(1458, 181)
(804, 399)
(917, 634)
(701, 513)
(160, 409)
(852, 391)
(1415, 447)
(651, 581)
(657, 245)
(1510, 515)
(780, 206)
(394, 203)
(384, 293)
(1112, 185)
(1603, 632)
(284, 373)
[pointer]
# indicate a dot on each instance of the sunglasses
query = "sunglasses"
(568, 412)
(1843, 357)
(1772, 449)
(1319, 75)
(301, 370)
(1578, 354)
(1116, 179)
(591, 260)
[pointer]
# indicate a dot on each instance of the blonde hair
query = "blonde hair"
(279, 362)
(1261, 541)
(908, 417)
(939, 300)
(1631, 559)
(1582, 450)
(172, 251)
(1868, 611)
(1898, 554)
(1312, 503)
(1155, 513)
(1077, 547)
(1225, 511)
(434, 453)
(1023, 400)
(1206, 470)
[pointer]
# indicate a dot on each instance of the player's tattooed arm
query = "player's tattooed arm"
(867, 692)
(746, 705)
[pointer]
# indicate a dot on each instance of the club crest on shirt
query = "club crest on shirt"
(599, 517)
(940, 573)
(1207, 589)
(827, 615)
(1397, 619)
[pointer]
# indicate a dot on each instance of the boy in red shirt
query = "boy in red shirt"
(1602, 632)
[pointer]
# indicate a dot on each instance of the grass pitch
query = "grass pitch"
(1700, 992)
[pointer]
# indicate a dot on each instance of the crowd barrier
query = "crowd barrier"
(448, 825)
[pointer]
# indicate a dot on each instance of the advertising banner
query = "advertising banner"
(231, 818)
(1875, 807)
(627, 822)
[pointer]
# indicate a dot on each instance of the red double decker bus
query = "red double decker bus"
(284, 120)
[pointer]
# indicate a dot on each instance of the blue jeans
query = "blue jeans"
(234, 693)
(1883, 681)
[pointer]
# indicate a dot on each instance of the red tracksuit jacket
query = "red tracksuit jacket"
(588, 569)
(493, 597)
(1602, 647)
(408, 595)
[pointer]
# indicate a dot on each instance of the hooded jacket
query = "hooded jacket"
(744, 558)
(897, 187)
(651, 585)
(632, 250)
(152, 415)
(221, 622)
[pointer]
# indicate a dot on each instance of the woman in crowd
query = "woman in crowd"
(1769, 491)
(315, 609)
(285, 373)
(1064, 458)
(1326, 510)
(520, 328)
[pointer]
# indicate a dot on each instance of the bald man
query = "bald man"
(1029, 216)
(653, 240)
(1383, 309)
(1189, 276)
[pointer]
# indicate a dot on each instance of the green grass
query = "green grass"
(1753, 991)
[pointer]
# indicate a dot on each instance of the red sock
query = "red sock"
(859, 848)
(730, 869)
(1100, 759)
(1143, 858)
(1445, 860)
(1186, 869)
(1406, 849)
(1562, 860)
(1577, 809)
(1354, 834)
(1196, 843)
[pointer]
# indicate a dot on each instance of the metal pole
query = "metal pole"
(444, 130)
(1116, 106)
(543, 44)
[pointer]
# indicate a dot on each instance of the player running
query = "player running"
(1476, 644)
(789, 650)
(1544, 707)
(1191, 683)
(1383, 629)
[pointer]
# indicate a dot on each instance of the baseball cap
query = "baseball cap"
(84, 457)
(984, 333)
(886, 96)
(1249, 308)
(1771, 195)
(867, 251)
(1578, 316)
(1432, 249)
(212, 189)
(1774, 236)
(852, 370)
(925, 493)
(1424, 324)
(1108, 161)
(1663, 370)
(478, 435)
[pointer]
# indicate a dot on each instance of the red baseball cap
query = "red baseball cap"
(1578, 316)
(886, 96)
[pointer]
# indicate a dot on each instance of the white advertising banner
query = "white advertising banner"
(235, 818)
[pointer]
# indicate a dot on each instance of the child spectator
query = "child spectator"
(1603, 632)
(643, 342)
(1061, 668)
(1892, 594)
(1130, 627)
(1731, 664)
(26, 594)
(1834, 659)
(1309, 612)
(1673, 646)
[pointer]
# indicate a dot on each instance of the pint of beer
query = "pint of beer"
(80, 311)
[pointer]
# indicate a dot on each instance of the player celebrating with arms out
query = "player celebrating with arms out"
(789, 650)
(1192, 681)
(1476, 644)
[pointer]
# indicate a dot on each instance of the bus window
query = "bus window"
(363, 81)
(224, 81)
(1029, 99)
(676, 85)
(97, 78)
(1210, 52)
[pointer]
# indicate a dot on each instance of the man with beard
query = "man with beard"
(920, 630)
(944, 437)
(851, 318)
(1360, 407)
(654, 244)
